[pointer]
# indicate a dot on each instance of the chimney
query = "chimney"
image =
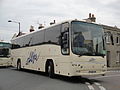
(89, 15)
(40, 26)
(52, 22)
(93, 19)
(31, 28)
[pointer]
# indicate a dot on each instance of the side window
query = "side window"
(109, 38)
(112, 40)
(118, 57)
(52, 35)
(65, 39)
(118, 39)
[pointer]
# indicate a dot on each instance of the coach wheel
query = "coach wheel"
(18, 65)
(50, 70)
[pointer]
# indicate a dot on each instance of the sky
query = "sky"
(35, 12)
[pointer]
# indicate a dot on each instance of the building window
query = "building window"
(118, 39)
(108, 37)
(118, 57)
(112, 40)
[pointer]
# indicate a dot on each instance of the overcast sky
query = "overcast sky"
(32, 12)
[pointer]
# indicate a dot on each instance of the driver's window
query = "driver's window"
(65, 39)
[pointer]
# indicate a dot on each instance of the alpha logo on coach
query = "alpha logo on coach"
(32, 57)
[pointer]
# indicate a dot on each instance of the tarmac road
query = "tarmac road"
(11, 79)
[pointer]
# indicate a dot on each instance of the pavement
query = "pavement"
(113, 68)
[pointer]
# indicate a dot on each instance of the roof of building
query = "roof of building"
(111, 28)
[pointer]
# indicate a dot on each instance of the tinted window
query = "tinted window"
(52, 35)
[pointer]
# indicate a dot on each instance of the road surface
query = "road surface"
(11, 79)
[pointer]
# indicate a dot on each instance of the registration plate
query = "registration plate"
(92, 71)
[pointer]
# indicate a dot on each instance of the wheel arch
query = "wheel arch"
(47, 63)
(18, 60)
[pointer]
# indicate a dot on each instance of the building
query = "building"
(112, 38)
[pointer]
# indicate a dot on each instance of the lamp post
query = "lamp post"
(17, 23)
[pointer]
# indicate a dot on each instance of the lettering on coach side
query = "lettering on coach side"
(33, 56)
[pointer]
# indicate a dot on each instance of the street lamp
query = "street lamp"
(17, 23)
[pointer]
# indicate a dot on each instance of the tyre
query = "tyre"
(18, 65)
(50, 70)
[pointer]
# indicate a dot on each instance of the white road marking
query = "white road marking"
(97, 84)
(89, 86)
(100, 86)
